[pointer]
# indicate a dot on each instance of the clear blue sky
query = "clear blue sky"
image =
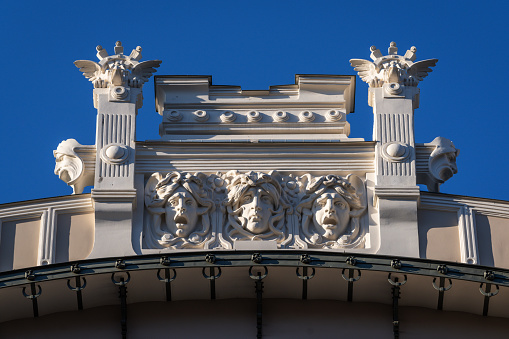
(254, 44)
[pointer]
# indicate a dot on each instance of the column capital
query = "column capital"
(118, 73)
(393, 72)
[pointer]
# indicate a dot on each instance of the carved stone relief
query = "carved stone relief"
(442, 162)
(215, 211)
(255, 207)
(331, 211)
(179, 211)
(438, 163)
(71, 168)
(118, 71)
(392, 71)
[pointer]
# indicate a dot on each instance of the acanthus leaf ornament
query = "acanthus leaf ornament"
(392, 68)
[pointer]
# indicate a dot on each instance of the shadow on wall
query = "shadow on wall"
(438, 235)
(485, 242)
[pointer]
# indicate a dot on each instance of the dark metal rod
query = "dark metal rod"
(440, 304)
(259, 293)
(239, 258)
(395, 315)
(304, 283)
(486, 301)
(167, 283)
(78, 293)
(350, 285)
(212, 283)
(123, 307)
(35, 307)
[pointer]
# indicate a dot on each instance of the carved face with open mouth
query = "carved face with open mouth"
(331, 215)
(258, 207)
(181, 213)
(65, 167)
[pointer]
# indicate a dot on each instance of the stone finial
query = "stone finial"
(392, 68)
(393, 50)
(118, 69)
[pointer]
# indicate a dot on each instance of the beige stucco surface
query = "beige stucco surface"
(492, 235)
(438, 235)
(19, 244)
(75, 236)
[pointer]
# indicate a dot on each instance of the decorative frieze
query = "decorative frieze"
(331, 212)
(185, 210)
(180, 203)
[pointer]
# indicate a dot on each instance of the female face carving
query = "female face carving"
(181, 212)
(331, 214)
(257, 206)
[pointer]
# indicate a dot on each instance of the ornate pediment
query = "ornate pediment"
(185, 210)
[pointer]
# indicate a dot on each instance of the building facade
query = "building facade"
(255, 214)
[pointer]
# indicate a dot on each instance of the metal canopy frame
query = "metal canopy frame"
(212, 263)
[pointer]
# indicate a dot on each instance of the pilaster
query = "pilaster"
(394, 95)
(118, 82)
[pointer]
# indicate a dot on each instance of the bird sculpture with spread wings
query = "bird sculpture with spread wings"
(392, 68)
(118, 69)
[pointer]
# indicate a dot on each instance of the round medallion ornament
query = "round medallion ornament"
(114, 153)
(394, 88)
(201, 116)
(306, 116)
(333, 115)
(280, 116)
(395, 151)
(119, 92)
(228, 116)
(174, 116)
(254, 116)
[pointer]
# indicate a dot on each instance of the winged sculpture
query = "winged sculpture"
(118, 69)
(392, 68)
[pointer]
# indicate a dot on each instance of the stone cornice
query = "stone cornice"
(23, 209)
(210, 157)
(440, 201)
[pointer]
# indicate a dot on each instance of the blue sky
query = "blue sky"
(252, 44)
